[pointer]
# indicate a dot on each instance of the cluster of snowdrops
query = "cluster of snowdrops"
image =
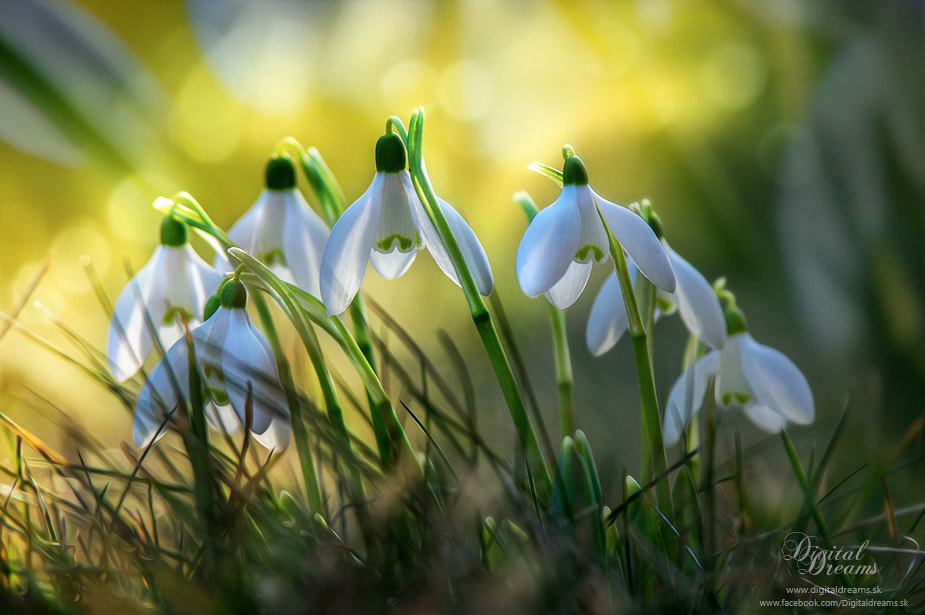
(195, 315)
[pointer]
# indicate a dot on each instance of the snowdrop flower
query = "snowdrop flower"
(238, 366)
(565, 239)
(766, 384)
(386, 226)
(693, 298)
(166, 391)
(281, 230)
(236, 363)
(174, 282)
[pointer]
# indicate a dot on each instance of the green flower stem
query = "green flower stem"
(564, 378)
(332, 201)
(390, 435)
(299, 431)
(654, 462)
(479, 311)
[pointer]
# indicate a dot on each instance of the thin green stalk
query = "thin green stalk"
(564, 379)
(479, 311)
(393, 439)
(299, 431)
(654, 461)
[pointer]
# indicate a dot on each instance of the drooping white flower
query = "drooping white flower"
(174, 280)
(281, 230)
(166, 392)
(768, 387)
(238, 365)
(693, 298)
(386, 226)
(566, 238)
(237, 368)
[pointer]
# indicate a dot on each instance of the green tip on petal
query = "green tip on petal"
(173, 232)
(280, 174)
(735, 320)
(390, 154)
(212, 304)
(574, 172)
(234, 295)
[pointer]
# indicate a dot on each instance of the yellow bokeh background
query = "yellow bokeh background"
(691, 104)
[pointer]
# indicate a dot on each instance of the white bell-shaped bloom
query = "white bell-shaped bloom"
(281, 230)
(239, 367)
(768, 387)
(174, 280)
(386, 226)
(693, 298)
(567, 238)
(166, 391)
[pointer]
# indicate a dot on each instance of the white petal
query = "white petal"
(567, 289)
(202, 281)
(166, 389)
(472, 251)
(246, 232)
(640, 242)
(304, 238)
(697, 302)
(250, 370)
(208, 339)
(549, 244)
(732, 387)
(765, 418)
(686, 396)
(222, 417)
(777, 382)
(343, 263)
(277, 435)
(608, 320)
(130, 338)
(391, 265)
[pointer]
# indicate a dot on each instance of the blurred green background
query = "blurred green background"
(781, 142)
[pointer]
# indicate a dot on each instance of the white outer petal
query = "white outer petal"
(765, 418)
(697, 303)
(129, 340)
(391, 265)
(731, 383)
(686, 396)
(222, 417)
(777, 382)
(608, 320)
(303, 241)
(246, 233)
(549, 244)
(277, 435)
(208, 339)
(640, 242)
(201, 279)
(248, 359)
(567, 289)
(166, 388)
(472, 251)
(343, 263)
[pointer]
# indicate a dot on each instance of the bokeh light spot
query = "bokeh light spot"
(206, 121)
(465, 91)
(733, 75)
(70, 246)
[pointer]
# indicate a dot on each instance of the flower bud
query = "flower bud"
(173, 232)
(234, 295)
(390, 154)
(280, 173)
